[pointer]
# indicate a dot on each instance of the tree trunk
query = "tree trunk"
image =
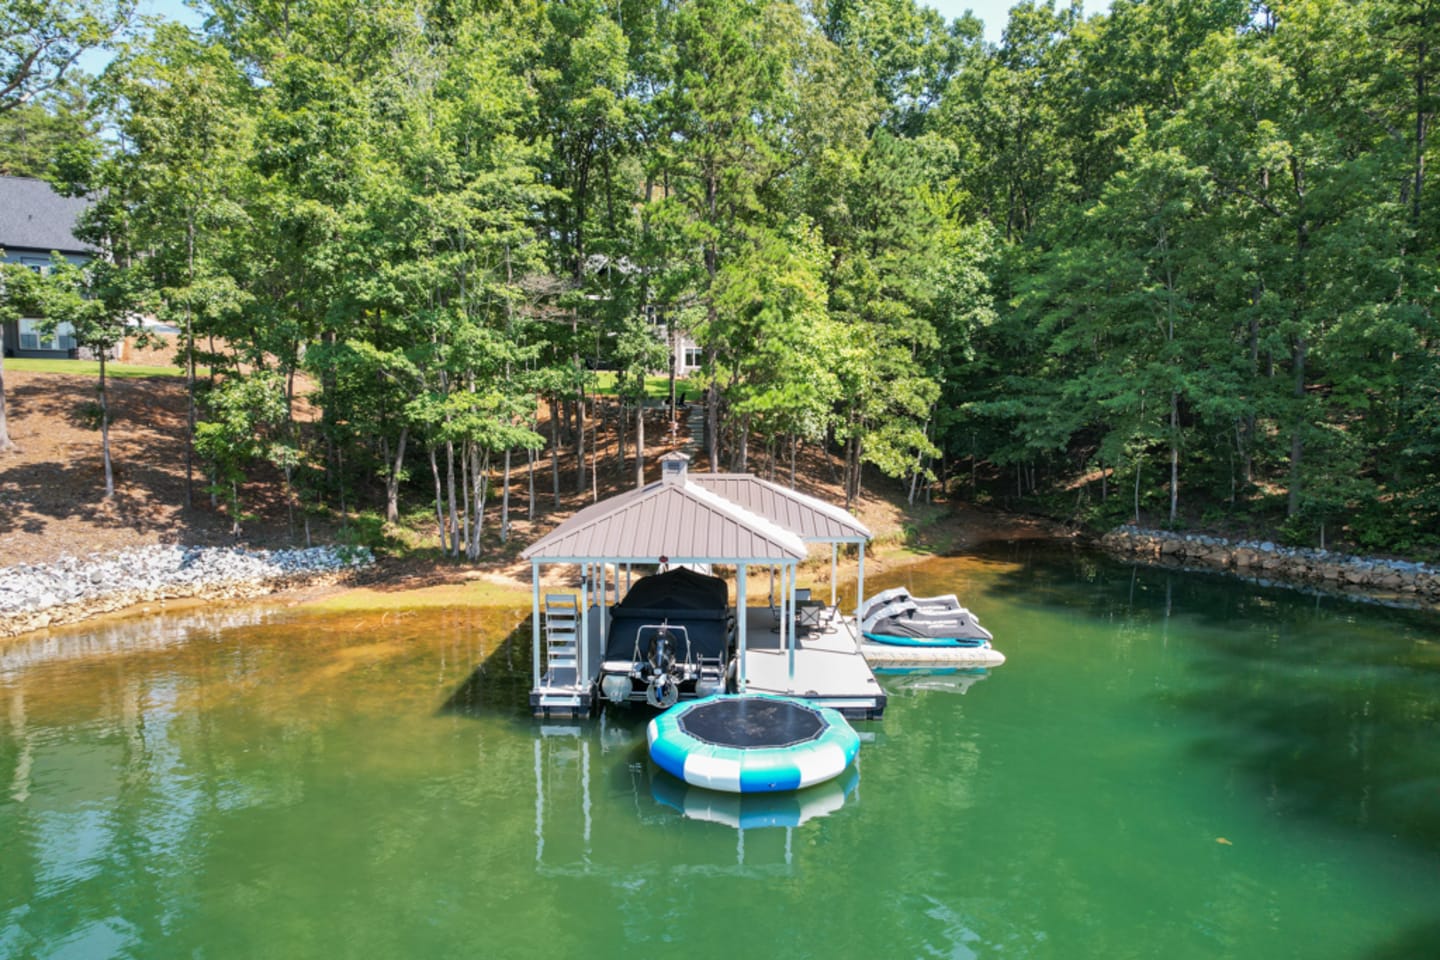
(622, 429)
(1422, 118)
(450, 489)
(481, 473)
(579, 438)
(712, 425)
(1297, 435)
(1301, 347)
(392, 482)
(439, 500)
(530, 472)
(105, 431)
(639, 445)
(1137, 491)
(465, 455)
(6, 444)
(1174, 453)
(190, 374)
(555, 450)
(505, 502)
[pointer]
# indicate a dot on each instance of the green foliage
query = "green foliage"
(1189, 242)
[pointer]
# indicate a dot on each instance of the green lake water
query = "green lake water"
(1169, 766)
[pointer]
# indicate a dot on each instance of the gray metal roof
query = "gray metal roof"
(680, 521)
(814, 520)
(34, 217)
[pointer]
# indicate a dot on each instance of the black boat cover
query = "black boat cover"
(684, 598)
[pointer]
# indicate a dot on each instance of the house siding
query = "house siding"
(35, 223)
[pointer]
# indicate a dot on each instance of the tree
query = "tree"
(637, 351)
(726, 104)
(98, 301)
(35, 135)
(40, 40)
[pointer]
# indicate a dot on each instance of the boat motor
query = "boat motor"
(663, 675)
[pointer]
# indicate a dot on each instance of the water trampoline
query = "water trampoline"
(753, 743)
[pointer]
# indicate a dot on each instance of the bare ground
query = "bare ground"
(52, 486)
(51, 491)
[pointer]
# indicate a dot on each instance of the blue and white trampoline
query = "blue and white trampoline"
(752, 743)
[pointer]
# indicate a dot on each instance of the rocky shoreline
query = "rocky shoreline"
(34, 596)
(1267, 562)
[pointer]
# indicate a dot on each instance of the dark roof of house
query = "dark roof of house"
(34, 217)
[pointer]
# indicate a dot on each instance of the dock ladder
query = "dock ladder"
(562, 634)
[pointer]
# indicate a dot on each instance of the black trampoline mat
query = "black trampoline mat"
(750, 724)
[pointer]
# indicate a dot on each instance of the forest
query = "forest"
(1174, 262)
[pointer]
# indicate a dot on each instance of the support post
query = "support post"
(740, 617)
(788, 619)
(860, 583)
(834, 567)
(604, 620)
(583, 671)
(535, 622)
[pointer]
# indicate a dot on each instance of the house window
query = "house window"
(694, 357)
(35, 265)
(31, 337)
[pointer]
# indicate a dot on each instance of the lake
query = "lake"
(1169, 765)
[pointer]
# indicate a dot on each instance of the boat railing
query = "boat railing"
(659, 630)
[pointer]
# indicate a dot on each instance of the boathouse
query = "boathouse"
(792, 645)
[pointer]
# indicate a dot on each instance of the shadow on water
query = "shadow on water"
(500, 684)
(1330, 707)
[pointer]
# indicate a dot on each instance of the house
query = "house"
(35, 222)
(686, 356)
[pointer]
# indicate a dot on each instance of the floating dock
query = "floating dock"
(829, 668)
(893, 655)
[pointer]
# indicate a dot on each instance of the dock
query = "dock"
(830, 670)
(963, 658)
(736, 522)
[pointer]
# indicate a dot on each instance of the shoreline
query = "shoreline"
(174, 578)
(75, 589)
(1372, 579)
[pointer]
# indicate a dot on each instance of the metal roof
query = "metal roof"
(814, 520)
(680, 521)
(34, 217)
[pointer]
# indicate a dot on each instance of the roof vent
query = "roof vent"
(673, 467)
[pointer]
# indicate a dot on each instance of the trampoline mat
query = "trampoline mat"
(752, 723)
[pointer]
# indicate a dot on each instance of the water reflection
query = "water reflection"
(123, 636)
(912, 681)
(754, 811)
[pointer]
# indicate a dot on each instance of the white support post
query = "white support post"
(834, 566)
(784, 635)
(789, 619)
(604, 621)
(740, 612)
(860, 583)
(584, 638)
(535, 621)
